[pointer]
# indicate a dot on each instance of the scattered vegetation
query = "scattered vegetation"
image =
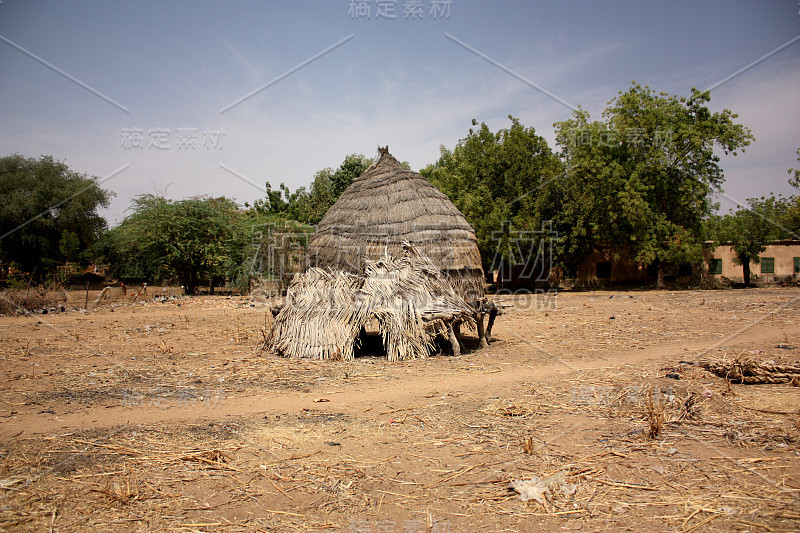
(641, 179)
(46, 295)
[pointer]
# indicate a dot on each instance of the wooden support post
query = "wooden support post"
(492, 316)
(481, 331)
(453, 339)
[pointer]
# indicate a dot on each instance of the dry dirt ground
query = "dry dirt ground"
(167, 416)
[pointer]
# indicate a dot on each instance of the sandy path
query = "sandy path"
(526, 362)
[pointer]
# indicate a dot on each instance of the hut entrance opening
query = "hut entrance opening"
(370, 341)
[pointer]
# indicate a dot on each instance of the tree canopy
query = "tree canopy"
(748, 231)
(642, 179)
(497, 180)
(794, 181)
(48, 214)
(309, 206)
(185, 240)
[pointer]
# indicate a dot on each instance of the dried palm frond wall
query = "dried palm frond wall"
(319, 319)
(409, 297)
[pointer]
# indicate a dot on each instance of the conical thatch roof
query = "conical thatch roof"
(408, 296)
(388, 205)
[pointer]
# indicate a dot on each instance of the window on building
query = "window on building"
(570, 270)
(715, 266)
(767, 265)
(604, 270)
(797, 265)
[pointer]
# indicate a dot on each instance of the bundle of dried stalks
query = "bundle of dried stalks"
(410, 298)
(654, 413)
(389, 205)
(318, 320)
(745, 370)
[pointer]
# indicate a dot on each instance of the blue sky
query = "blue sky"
(167, 70)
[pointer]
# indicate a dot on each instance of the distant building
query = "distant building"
(780, 263)
(602, 269)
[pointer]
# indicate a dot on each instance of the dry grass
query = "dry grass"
(431, 443)
(654, 415)
(32, 298)
(464, 459)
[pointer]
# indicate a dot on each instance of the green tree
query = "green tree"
(69, 245)
(749, 230)
(48, 214)
(594, 201)
(795, 173)
(497, 180)
(320, 199)
(642, 179)
(186, 240)
(352, 167)
(790, 218)
(284, 203)
(309, 206)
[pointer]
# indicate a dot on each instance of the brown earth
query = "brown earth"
(167, 416)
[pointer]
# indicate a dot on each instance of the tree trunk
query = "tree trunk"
(660, 275)
(500, 275)
(189, 284)
(746, 270)
(490, 324)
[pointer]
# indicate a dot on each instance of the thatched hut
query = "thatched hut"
(389, 205)
(393, 250)
(411, 300)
